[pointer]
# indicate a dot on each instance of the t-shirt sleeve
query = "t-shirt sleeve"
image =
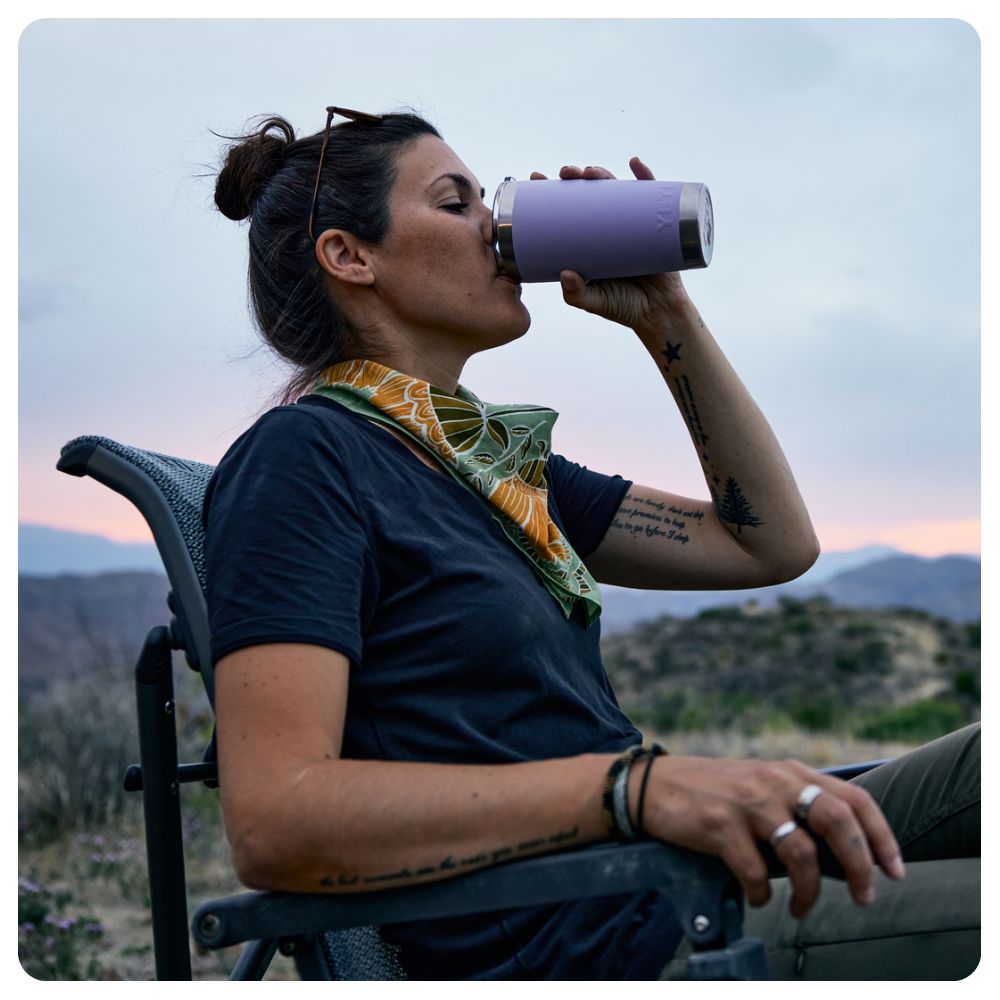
(288, 556)
(586, 501)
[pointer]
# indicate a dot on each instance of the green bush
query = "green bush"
(967, 684)
(973, 635)
(915, 723)
(814, 714)
(727, 613)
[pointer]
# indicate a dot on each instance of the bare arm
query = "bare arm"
(301, 819)
(755, 530)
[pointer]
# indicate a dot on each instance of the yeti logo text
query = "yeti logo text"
(664, 217)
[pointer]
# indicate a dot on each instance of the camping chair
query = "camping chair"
(335, 936)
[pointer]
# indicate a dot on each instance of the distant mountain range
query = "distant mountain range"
(948, 586)
(44, 551)
(73, 622)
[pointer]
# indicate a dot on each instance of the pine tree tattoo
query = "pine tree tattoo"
(734, 508)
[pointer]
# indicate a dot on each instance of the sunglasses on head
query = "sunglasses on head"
(354, 116)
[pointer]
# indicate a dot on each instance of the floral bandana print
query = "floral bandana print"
(498, 452)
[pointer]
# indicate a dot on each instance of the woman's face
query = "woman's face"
(435, 272)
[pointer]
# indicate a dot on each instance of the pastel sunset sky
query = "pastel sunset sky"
(843, 160)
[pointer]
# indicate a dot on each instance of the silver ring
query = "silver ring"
(807, 797)
(780, 832)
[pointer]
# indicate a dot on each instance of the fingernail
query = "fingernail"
(896, 868)
(867, 896)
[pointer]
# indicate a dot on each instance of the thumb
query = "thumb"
(574, 288)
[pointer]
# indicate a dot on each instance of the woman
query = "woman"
(409, 682)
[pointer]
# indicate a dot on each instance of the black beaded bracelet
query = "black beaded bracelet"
(611, 820)
(615, 792)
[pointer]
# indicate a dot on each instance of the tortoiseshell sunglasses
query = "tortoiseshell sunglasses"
(355, 116)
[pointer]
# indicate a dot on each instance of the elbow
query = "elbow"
(256, 856)
(268, 851)
(796, 561)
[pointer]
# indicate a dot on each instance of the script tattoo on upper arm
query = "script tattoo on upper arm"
(654, 519)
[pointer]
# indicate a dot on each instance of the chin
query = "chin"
(502, 332)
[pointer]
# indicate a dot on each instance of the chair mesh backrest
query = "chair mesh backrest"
(355, 954)
(182, 483)
(359, 953)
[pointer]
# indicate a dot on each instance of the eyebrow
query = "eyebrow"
(461, 181)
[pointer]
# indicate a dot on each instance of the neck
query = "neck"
(443, 372)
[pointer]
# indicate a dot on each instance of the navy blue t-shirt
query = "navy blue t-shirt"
(322, 528)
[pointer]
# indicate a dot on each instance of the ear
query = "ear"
(344, 257)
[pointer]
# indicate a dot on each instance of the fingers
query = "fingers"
(574, 173)
(798, 854)
(834, 820)
(881, 839)
(571, 173)
(742, 858)
(848, 819)
(640, 170)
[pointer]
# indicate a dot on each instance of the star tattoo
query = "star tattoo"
(672, 353)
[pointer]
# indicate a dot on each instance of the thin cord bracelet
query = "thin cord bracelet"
(655, 750)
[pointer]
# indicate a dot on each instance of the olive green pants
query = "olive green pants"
(926, 927)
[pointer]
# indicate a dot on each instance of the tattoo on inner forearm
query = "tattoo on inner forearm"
(731, 504)
(690, 409)
(449, 864)
(672, 353)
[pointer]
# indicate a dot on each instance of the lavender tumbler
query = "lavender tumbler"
(600, 228)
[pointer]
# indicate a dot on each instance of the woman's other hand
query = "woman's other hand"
(728, 807)
(634, 302)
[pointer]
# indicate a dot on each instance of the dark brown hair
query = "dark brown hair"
(268, 176)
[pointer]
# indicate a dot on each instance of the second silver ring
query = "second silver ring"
(782, 831)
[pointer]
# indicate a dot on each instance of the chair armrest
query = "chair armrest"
(697, 884)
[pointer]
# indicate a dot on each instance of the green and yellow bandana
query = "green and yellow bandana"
(498, 452)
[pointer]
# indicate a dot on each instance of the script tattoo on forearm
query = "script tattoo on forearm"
(451, 865)
(731, 504)
(654, 519)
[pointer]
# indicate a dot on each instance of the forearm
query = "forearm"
(355, 826)
(753, 491)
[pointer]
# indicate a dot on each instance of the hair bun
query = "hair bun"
(252, 160)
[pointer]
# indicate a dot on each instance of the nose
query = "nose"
(486, 223)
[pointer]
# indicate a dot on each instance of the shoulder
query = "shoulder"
(309, 422)
(302, 447)
(311, 431)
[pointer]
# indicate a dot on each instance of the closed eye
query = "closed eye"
(456, 206)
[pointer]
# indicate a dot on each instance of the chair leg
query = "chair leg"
(254, 960)
(154, 687)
